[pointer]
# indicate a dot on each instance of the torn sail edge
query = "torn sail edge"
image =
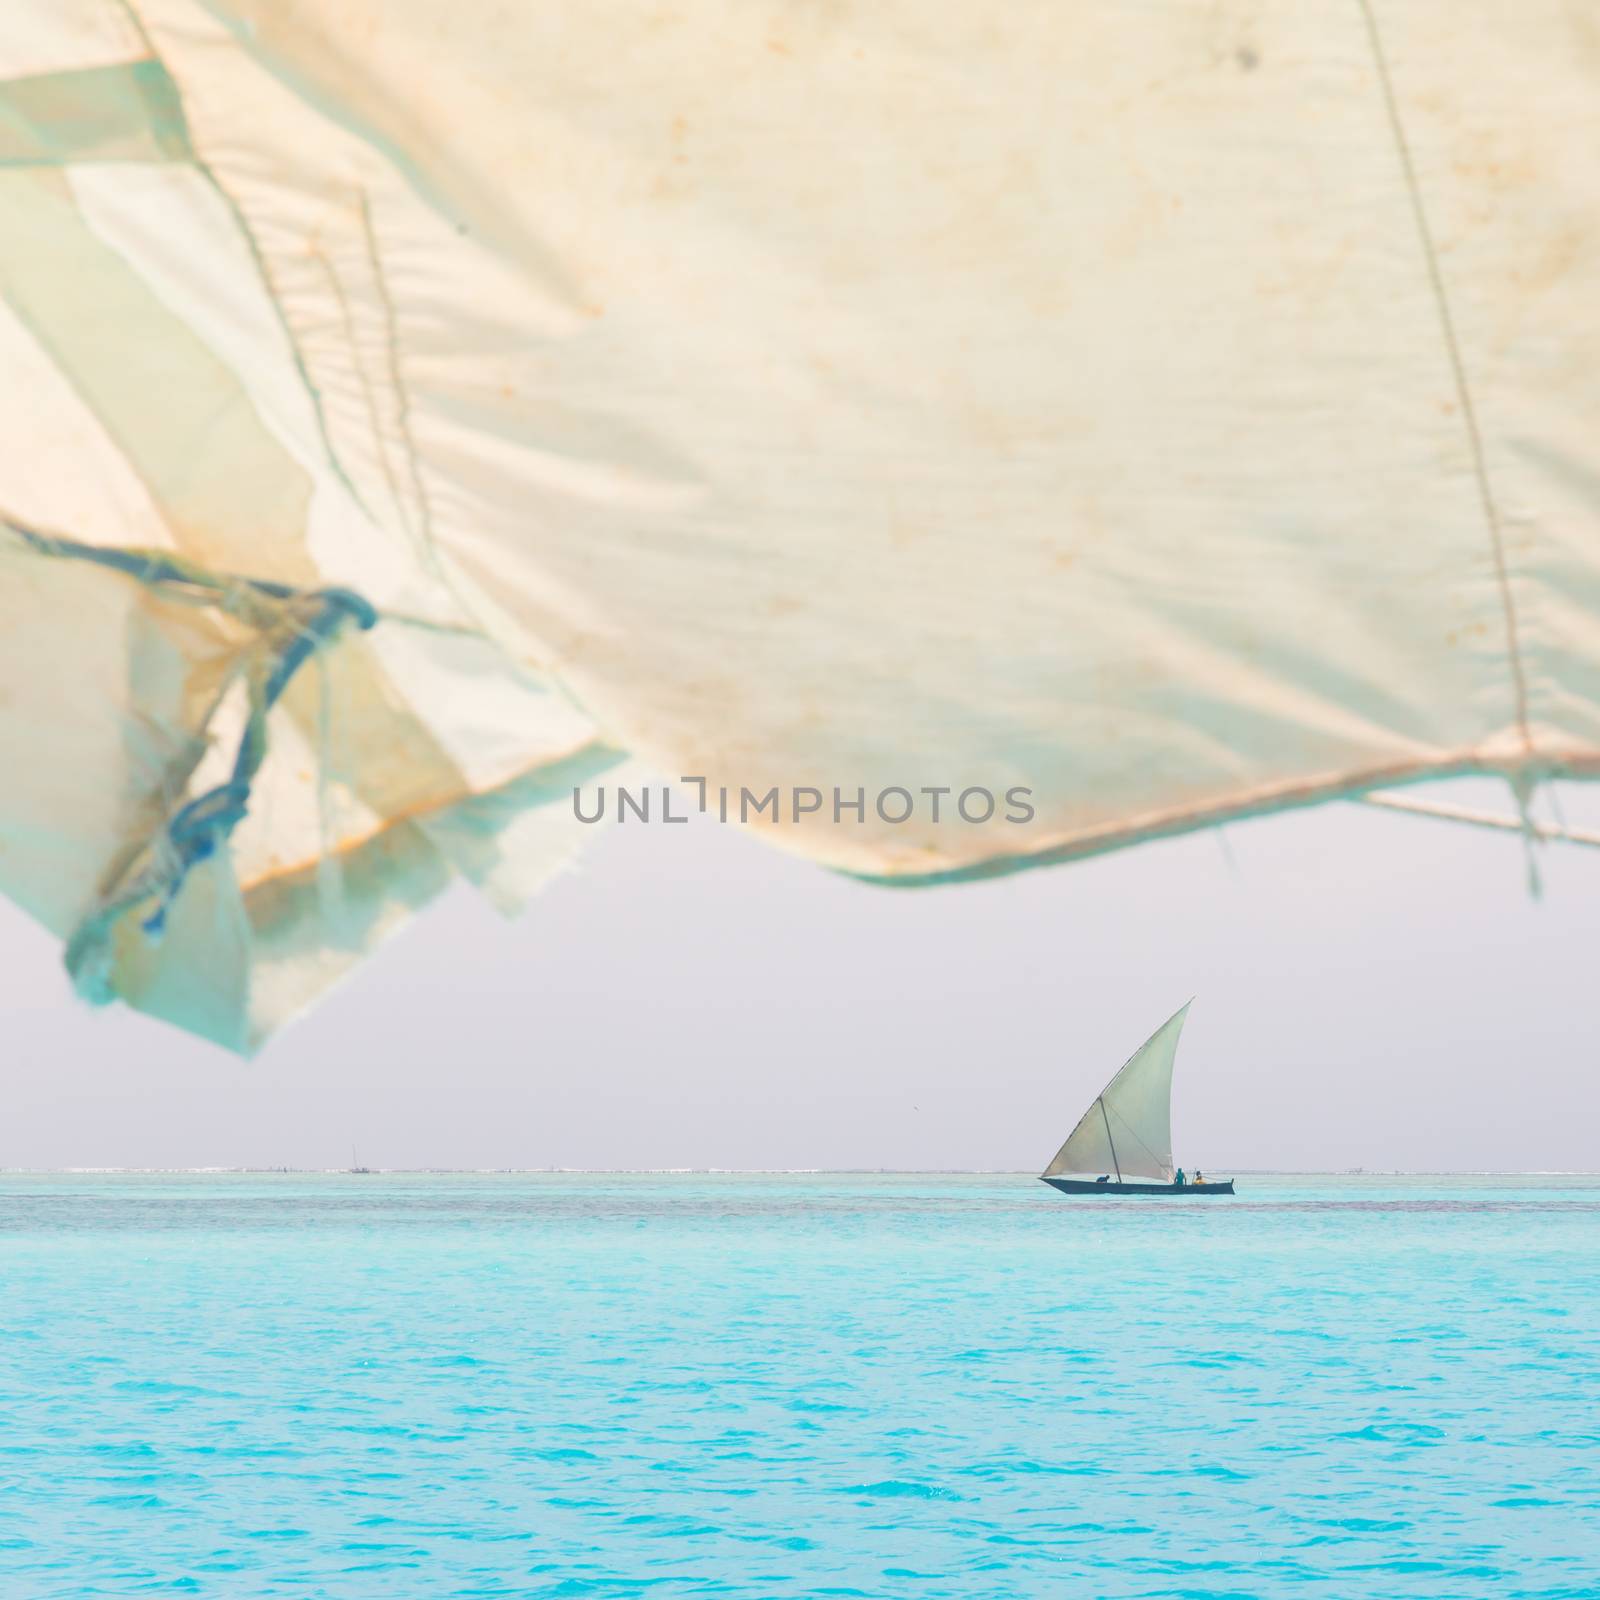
(196, 829)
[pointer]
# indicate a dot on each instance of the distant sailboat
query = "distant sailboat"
(1127, 1132)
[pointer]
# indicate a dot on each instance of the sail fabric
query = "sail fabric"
(1128, 1130)
(1169, 418)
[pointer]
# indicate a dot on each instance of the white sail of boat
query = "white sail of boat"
(1127, 1131)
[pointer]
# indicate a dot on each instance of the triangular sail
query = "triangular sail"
(1128, 1129)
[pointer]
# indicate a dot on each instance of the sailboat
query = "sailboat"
(1127, 1132)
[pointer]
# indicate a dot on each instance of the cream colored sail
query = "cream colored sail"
(1176, 414)
(1127, 1132)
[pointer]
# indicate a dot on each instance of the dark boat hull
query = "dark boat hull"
(1195, 1191)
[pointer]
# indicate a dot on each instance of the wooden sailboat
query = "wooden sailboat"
(1127, 1133)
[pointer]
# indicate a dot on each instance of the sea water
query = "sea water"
(421, 1386)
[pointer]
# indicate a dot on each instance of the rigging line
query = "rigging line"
(209, 587)
(1477, 819)
(1131, 1134)
(1469, 415)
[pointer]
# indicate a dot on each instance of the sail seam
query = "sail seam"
(1458, 367)
(258, 258)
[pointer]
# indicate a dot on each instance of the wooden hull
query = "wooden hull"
(1190, 1191)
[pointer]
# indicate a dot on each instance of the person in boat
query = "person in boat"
(1199, 1176)
(1104, 1178)
(1179, 1180)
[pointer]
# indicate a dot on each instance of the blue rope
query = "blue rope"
(195, 832)
(198, 829)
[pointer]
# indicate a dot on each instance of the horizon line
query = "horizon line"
(758, 1172)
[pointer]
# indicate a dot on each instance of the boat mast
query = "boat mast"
(1100, 1101)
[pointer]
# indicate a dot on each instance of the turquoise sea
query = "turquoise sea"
(406, 1386)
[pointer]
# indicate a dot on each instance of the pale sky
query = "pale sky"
(1371, 990)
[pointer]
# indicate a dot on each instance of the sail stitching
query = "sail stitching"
(1458, 369)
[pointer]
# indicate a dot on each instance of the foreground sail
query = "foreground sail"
(407, 411)
(1127, 1133)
